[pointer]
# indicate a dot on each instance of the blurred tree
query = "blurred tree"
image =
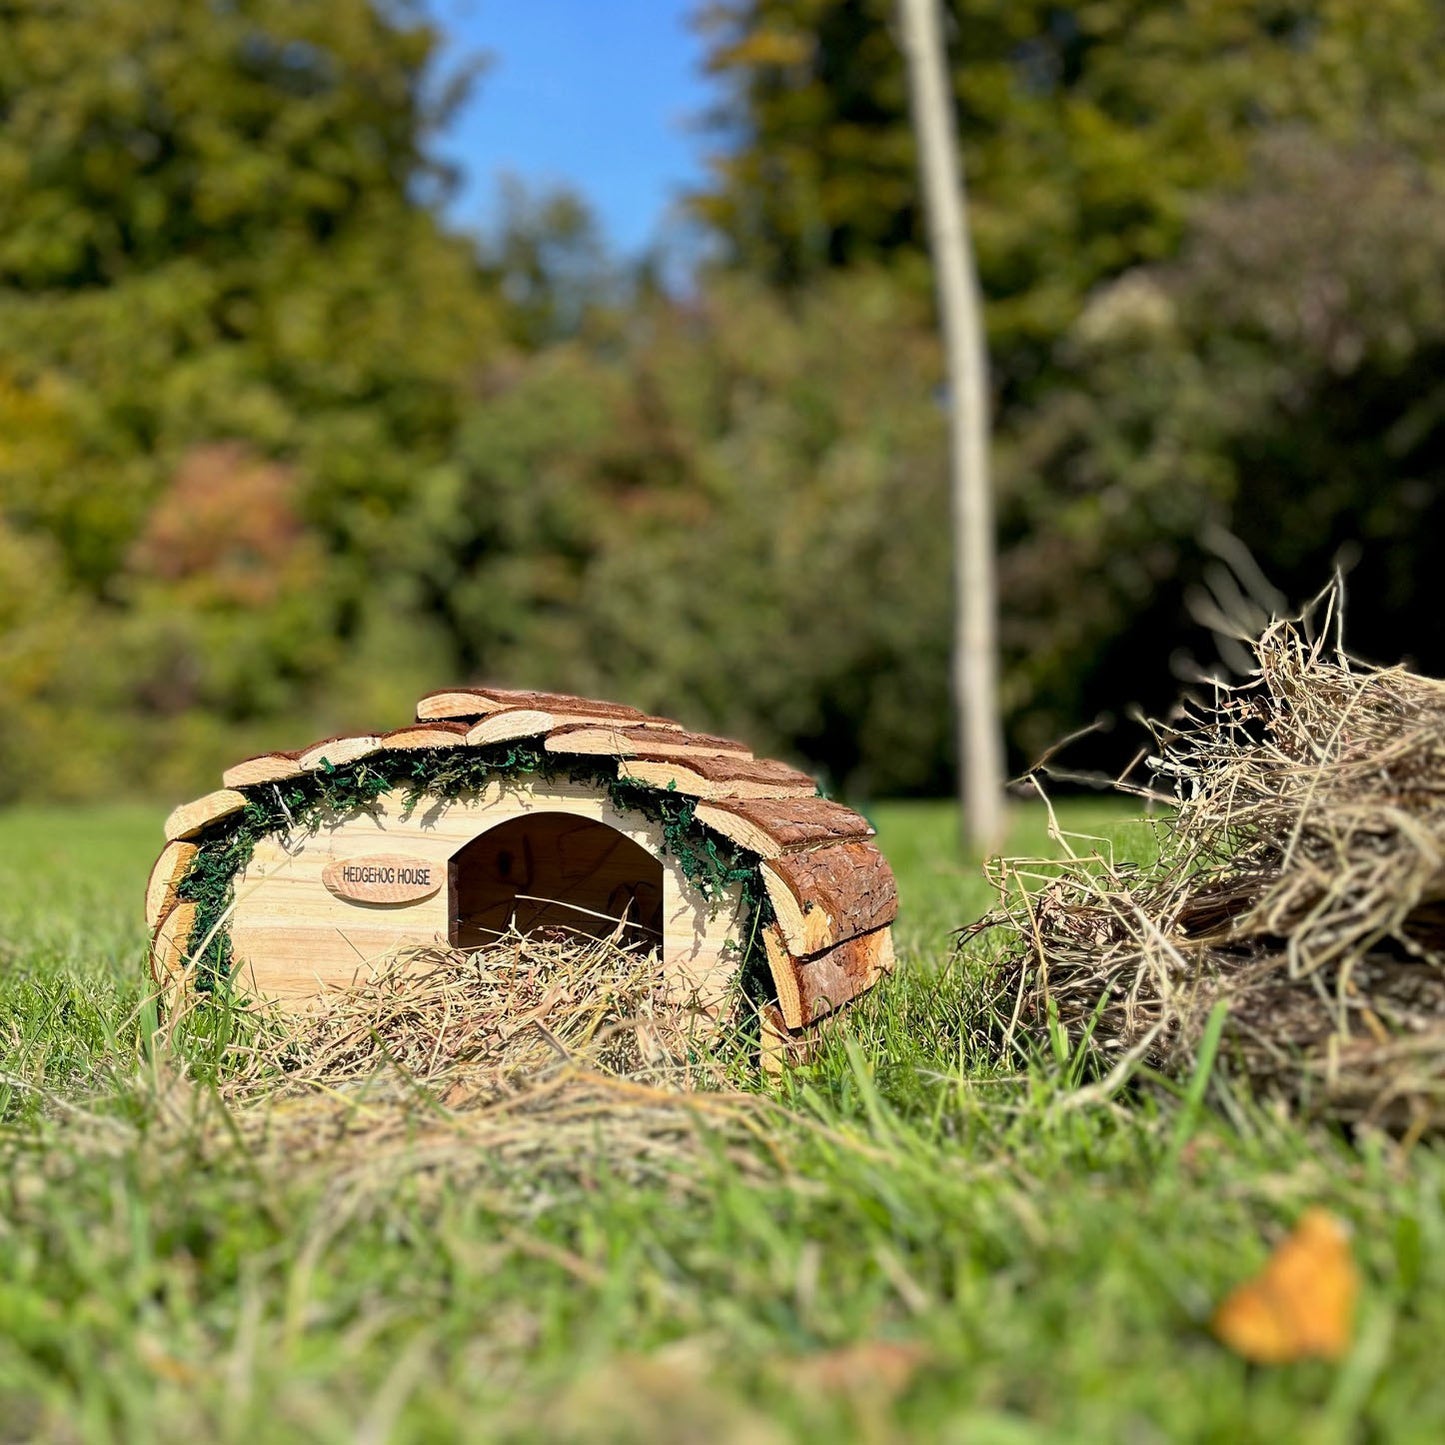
(1104, 141)
(1087, 130)
(733, 509)
(734, 506)
(979, 725)
(550, 263)
(276, 451)
(221, 267)
(1280, 380)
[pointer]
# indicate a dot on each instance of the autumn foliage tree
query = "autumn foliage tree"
(222, 277)
(1110, 149)
(1089, 132)
(279, 449)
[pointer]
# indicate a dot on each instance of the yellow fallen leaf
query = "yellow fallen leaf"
(887, 1366)
(164, 1365)
(1301, 1305)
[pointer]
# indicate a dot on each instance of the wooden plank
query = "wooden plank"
(828, 895)
(192, 818)
(296, 939)
(512, 723)
(779, 1047)
(264, 768)
(337, 752)
(384, 878)
(173, 865)
(622, 742)
(431, 735)
(772, 827)
(726, 776)
(468, 703)
(809, 988)
(170, 947)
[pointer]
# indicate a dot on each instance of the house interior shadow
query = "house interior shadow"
(554, 873)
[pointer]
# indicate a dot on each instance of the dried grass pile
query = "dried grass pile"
(1300, 882)
(529, 1056)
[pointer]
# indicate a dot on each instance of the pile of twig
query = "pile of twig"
(1300, 883)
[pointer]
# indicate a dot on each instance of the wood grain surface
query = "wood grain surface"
(173, 865)
(192, 818)
(809, 988)
(772, 827)
(294, 937)
(727, 775)
(383, 878)
(827, 895)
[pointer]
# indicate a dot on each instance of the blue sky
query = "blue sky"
(596, 94)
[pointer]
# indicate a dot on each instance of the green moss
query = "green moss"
(332, 794)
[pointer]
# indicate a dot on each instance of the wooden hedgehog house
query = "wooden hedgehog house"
(500, 809)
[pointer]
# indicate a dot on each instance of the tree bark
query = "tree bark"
(975, 648)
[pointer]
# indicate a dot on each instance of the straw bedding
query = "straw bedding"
(1300, 884)
(529, 1060)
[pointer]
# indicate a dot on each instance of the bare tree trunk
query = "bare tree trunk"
(975, 647)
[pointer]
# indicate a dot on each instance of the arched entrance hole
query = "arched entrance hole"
(554, 871)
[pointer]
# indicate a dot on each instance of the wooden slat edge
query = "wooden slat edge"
(512, 723)
(173, 865)
(425, 735)
(455, 703)
(779, 1047)
(772, 828)
(468, 703)
(264, 768)
(590, 740)
(812, 987)
(738, 829)
(192, 818)
(171, 943)
(825, 896)
(337, 752)
(689, 776)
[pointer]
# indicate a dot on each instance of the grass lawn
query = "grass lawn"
(920, 1242)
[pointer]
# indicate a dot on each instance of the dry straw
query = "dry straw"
(1300, 884)
(531, 1059)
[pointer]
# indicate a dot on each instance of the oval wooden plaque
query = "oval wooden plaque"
(384, 878)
